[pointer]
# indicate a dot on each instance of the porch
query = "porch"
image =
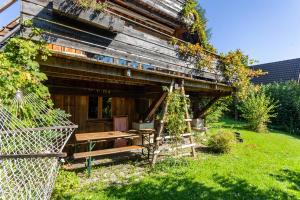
(96, 93)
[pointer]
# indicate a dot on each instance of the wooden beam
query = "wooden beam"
(154, 106)
(208, 105)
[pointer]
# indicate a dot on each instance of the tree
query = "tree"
(19, 70)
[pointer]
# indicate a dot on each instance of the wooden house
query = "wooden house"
(115, 62)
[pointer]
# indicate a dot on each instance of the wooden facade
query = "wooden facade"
(115, 62)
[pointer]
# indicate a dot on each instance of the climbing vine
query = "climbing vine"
(98, 5)
(175, 117)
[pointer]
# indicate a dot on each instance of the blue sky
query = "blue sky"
(267, 30)
(9, 14)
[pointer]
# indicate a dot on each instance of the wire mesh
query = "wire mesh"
(41, 137)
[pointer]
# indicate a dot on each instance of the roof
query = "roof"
(281, 71)
(6, 4)
(9, 30)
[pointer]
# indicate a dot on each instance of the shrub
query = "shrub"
(258, 109)
(222, 142)
(287, 95)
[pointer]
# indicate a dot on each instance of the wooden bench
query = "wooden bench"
(106, 152)
(92, 138)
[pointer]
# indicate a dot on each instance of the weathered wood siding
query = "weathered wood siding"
(77, 107)
(109, 34)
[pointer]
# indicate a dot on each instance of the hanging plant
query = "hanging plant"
(98, 5)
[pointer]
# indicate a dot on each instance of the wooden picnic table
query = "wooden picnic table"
(92, 138)
(81, 137)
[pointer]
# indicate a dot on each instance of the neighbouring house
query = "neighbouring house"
(114, 63)
(281, 71)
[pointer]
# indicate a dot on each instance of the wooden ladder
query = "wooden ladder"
(158, 135)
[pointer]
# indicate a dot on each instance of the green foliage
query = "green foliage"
(258, 109)
(175, 117)
(19, 70)
(97, 5)
(66, 183)
(288, 96)
(194, 16)
(237, 71)
(217, 110)
(222, 142)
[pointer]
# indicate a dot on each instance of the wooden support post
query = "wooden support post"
(154, 106)
(161, 127)
(187, 115)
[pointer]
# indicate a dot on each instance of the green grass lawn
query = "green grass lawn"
(265, 166)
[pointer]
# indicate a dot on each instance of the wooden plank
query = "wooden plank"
(100, 19)
(6, 5)
(170, 137)
(154, 15)
(102, 136)
(169, 8)
(141, 18)
(106, 152)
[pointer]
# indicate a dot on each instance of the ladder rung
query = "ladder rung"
(170, 137)
(188, 120)
(179, 147)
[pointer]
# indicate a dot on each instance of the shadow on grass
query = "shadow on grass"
(242, 125)
(180, 187)
(287, 175)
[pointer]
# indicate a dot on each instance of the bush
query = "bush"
(222, 142)
(287, 95)
(258, 109)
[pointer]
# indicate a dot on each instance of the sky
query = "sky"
(266, 30)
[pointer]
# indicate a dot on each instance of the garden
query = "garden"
(264, 166)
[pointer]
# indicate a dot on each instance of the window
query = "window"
(93, 107)
(106, 108)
